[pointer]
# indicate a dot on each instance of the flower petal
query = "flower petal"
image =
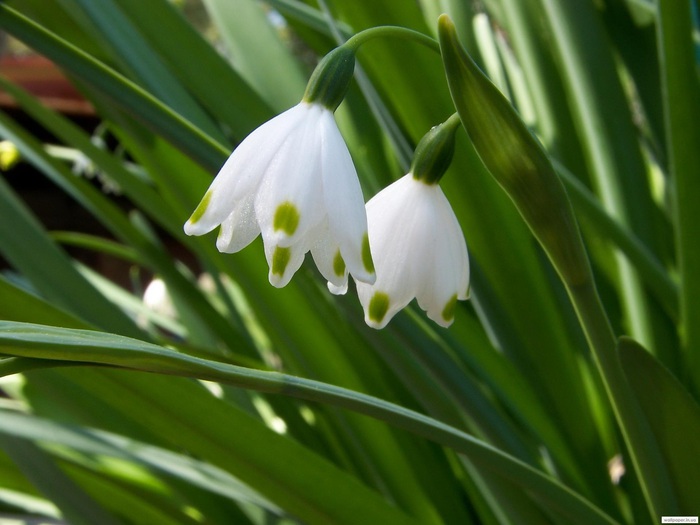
(446, 274)
(243, 171)
(283, 261)
(239, 229)
(329, 260)
(344, 202)
(392, 219)
(289, 201)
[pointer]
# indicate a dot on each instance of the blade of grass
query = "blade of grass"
(130, 49)
(216, 431)
(39, 341)
(53, 273)
(94, 442)
(246, 25)
(674, 417)
(195, 63)
(612, 150)
(682, 115)
(129, 96)
(73, 501)
(20, 305)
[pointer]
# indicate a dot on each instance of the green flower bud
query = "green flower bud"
(515, 158)
(330, 80)
(434, 152)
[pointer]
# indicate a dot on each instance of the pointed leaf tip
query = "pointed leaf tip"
(514, 157)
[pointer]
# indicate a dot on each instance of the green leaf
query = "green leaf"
(129, 96)
(246, 25)
(76, 506)
(20, 305)
(53, 274)
(682, 109)
(609, 141)
(674, 417)
(132, 52)
(98, 443)
(520, 165)
(37, 341)
(230, 99)
(68, 132)
(202, 319)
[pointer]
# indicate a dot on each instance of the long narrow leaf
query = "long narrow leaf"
(54, 343)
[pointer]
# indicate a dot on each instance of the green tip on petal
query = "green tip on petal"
(338, 264)
(378, 306)
(367, 261)
(448, 313)
(280, 260)
(286, 218)
(201, 208)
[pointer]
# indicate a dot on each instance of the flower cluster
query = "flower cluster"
(293, 181)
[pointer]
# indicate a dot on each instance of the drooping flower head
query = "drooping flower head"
(293, 181)
(418, 246)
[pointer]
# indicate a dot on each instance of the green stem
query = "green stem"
(609, 229)
(360, 38)
(643, 449)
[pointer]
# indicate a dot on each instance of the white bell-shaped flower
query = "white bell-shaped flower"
(292, 180)
(419, 251)
(418, 247)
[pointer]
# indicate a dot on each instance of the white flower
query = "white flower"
(419, 251)
(293, 180)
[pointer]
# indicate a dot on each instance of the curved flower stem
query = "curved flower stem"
(360, 38)
(633, 423)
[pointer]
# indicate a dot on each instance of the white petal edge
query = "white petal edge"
(244, 170)
(294, 259)
(446, 277)
(294, 178)
(344, 202)
(239, 229)
(392, 218)
(324, 252)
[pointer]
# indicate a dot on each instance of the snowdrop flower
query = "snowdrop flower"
(418, 246)
(293, 180)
